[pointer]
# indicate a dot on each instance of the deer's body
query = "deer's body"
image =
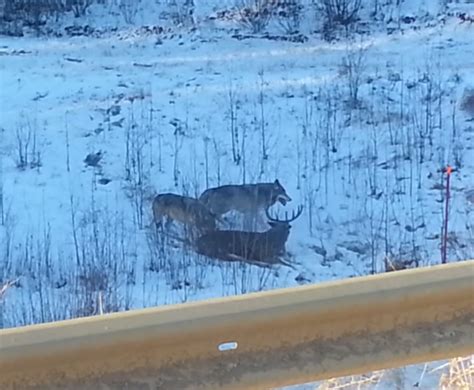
(235, 245)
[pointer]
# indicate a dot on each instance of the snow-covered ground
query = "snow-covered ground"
(358, 131)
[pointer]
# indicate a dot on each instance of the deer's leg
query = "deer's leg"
(234, 257)
(262, 264)
(286, 262)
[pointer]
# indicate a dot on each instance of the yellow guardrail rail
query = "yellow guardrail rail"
(272, 338)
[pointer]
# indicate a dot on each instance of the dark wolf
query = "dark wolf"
(245, 198)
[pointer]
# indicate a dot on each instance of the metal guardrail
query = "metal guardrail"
(273, 338)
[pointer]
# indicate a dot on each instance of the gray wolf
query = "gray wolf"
(245, 198)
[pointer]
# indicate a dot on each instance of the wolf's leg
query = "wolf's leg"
(234, 257)
(168, 223)
(190, 234)
(159, 236)
(159, 224)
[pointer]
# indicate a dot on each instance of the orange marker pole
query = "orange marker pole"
(444, 246)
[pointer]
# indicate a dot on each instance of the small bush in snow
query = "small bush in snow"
(338, 13)
(182, 13)
(28, 146)
(255, 14)
(343, 12)
(129, 9)
(353, 66)
(78, 7)
(35, 13)
(31, 12)
(288, 14)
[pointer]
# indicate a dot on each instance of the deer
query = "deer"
(259, 248)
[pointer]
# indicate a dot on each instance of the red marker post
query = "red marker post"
(448, 170)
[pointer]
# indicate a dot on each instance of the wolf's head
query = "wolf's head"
(206, 220)
(279, 193)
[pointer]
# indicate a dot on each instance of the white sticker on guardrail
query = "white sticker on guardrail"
(228, 346)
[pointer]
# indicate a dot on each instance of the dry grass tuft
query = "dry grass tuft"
(354, 382)
(460, 375)
(457, 374)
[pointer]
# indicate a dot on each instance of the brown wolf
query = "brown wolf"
(189, 211)
(244, 198)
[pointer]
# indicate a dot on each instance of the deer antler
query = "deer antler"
(286, 220)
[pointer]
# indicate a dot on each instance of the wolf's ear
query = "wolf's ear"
(276, 182)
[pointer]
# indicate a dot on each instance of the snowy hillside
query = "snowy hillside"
(358, 131)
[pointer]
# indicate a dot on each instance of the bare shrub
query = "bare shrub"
(105, 271)
(182, 14)
(28, 145)
(353, 67)
(78, 7)
(338, 13)
(232, 114)
(137, 166)
(255, 14)
(35, 13)
(31, 13)
(52, 287)
(343, 12)
(287, 14)
(129, 9)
